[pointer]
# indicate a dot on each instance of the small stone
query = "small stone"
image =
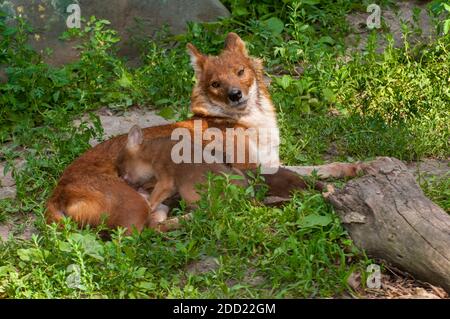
(354, 217)
(202, 266)
(393, 19)
(19, 228)
(6, 179)
(8, 192)
(4, 232)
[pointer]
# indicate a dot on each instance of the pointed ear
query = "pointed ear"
(234, 43)
(197, 59)
(135, 137)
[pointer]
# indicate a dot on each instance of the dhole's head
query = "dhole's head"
(130, 163)
(227, 83)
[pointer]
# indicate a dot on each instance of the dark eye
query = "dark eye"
(241, 72)
(215, 84)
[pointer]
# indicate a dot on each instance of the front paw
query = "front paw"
(158, 215)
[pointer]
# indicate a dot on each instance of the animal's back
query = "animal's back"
(90, 186)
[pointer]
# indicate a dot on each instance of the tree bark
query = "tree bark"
(387, 214)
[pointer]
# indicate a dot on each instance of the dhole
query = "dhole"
(229, 93)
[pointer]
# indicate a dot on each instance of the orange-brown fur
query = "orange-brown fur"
(142, 160)
(91, 186)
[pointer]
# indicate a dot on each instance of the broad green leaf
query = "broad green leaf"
(274, 25)
(34, 255)
(125, 81)
(5, 270)
(447, 26)
(140, 272)
(56, 96)
(298, 101)
(329, 95)
(311, 2)
(327, 39)
(89, 244)
(167, 113)
(9, 31)
(301, 105)
(146, 285)
(240, 11)
(162, 101)
(284, 81)
(65, 247)
(315, 220)
(236, 177)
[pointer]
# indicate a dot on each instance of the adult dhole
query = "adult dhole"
(229, 93)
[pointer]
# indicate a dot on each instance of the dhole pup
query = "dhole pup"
(141, 160)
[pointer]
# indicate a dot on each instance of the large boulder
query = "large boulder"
(128, 17)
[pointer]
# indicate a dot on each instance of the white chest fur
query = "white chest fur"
(267, 141)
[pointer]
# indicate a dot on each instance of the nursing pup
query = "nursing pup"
(142, 160)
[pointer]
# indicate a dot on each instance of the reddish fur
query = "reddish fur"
(142, 160)
(90, 186)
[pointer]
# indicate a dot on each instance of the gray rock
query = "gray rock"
(116, 124)
(430, 168)
(7, 184)
(3, 77)
(128, 17)
(393, 18)
(120, 124)
(4, 232)
(8, 192)
(6, 179)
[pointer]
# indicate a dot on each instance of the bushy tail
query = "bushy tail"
(53, 213)
(285, 181)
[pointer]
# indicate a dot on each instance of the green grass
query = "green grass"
(394, 103)
(438, 190)
(299, 250)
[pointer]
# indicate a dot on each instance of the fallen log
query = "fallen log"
(386, 213)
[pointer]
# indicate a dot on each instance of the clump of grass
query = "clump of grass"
(437, 188)
(390, 104)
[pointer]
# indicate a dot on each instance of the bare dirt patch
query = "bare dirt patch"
(18, 227)
(203, 265)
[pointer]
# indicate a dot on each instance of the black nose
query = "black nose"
(234, 95)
